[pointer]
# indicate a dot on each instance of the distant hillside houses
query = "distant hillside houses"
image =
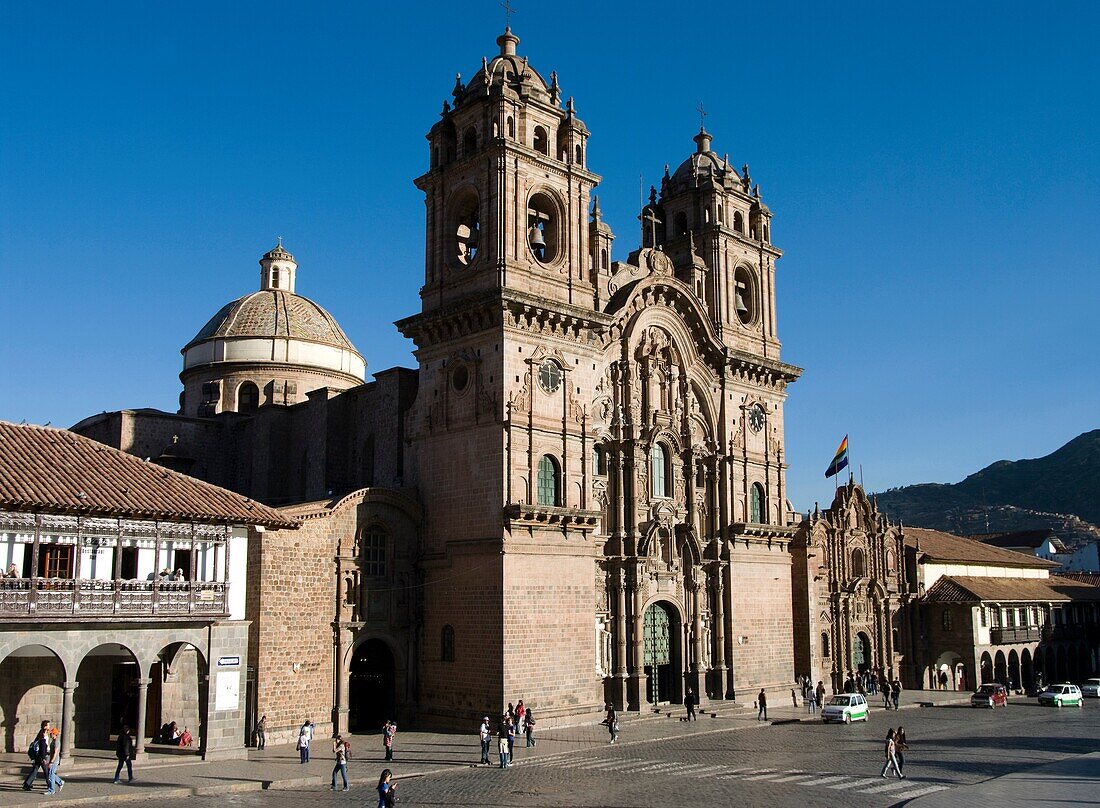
(1046, 545)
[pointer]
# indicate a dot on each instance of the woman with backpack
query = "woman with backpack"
(38, 752)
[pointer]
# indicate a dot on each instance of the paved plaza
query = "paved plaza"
(957, 754)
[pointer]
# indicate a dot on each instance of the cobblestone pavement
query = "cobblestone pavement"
(798, 764)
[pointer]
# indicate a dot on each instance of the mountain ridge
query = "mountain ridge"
(1059, 491)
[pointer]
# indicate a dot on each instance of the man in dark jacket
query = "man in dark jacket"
(124, 751)
(689, 704)
(762, 706)
(41, 748)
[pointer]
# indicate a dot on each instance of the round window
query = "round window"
(550, 376)
(460, 378)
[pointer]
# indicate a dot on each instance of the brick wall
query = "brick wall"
(30, 692)
(291, 600)
(762, 614)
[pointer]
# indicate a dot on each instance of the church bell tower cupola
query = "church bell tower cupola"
(507, 189)
(278, 270)
(712, 223)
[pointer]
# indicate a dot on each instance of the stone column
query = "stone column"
(698, 674)
(620, 640)
(139, 730)
(636, 685)
(340, 711)
(718, 677)
(68, 730)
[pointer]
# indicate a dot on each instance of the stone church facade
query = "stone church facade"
(578, 498)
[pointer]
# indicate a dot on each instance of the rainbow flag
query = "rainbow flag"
(840, 459)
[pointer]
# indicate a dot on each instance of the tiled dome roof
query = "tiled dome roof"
(275, 313)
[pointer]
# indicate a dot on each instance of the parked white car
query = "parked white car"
(1091, 688)
(846, 707)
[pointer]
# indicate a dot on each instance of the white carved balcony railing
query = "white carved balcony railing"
(60, 598)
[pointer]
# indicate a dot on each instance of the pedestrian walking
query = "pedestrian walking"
(54, 783)
(502, 739)
(530, 727)
(943, 680)
(811, 701)
(261, 733)
(521, 717)
(762, 706)
(794, 698)
(511, 740)
(819, 693)
(305, 738)
(386, 795)
(895, 693)
(340, 752)
(886, 693)
(900, 747)
(389, 734)
(124, 751)
(612, 721)
(891, 756)
(689, 705)
(39, 753)
(484, 735)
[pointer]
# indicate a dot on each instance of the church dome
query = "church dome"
(507, 70)
(703, 163)
(271, 346)
(274, 313)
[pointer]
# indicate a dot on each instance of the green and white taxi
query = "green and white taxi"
(1062, 695)
(846, 707)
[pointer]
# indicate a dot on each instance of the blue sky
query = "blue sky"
(932, 169)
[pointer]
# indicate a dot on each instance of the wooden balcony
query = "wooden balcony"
(1018, 634)
(63, 599)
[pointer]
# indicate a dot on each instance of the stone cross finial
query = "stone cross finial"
(509, 10)
(702, 115)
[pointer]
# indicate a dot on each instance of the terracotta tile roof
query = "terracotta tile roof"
(939, 546)
(1090, 578)
(56, 471)
(972, 589)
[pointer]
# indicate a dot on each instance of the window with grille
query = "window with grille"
(374, 553)
(549, 481)
(659, 458)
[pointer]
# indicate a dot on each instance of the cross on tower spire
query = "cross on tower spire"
(509, 10)
(702, 115)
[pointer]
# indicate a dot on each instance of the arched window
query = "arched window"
(894, 638)
(542, 140)
(248, 397)
(549, 481)
(891, 562)
(758, 508)
(738, 222)
(858, 567)
(659, 470)
(824, 644)
(469, 142)
(681, 224)
(447, 644)
(765, 233)
(274, 277)
(580, 155)
(603, 259)
(372, 552)
(511, 127)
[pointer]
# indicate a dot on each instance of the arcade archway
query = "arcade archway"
(107, 696)
(371, 687)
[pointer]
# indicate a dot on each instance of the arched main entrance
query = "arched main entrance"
(861, 652)
(371, 696)
(662, 654)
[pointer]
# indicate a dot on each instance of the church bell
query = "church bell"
(535, 237)
(742, 309)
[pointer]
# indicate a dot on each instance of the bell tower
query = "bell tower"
(507, 191)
